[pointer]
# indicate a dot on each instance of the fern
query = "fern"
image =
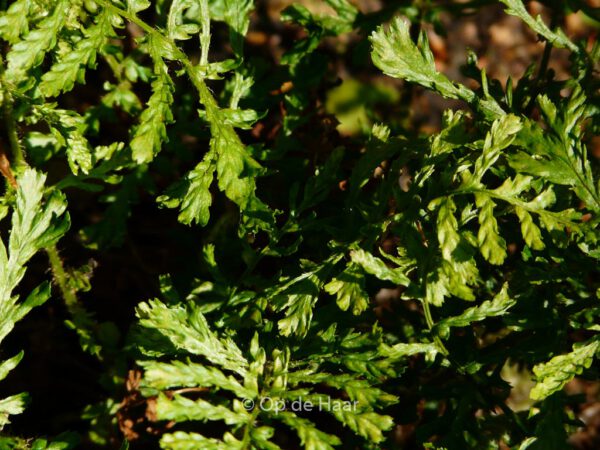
(63, 74)
(151, 132)
(13, 22)
(381, 287)
(558, 38)
(557, 372)
(29, 52)
(266, 382)
(68, 129)
(35, 225)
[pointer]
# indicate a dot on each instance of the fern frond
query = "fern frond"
(14, 21)
(557, 372)
(70, 67)
(29, 52)
(35, 225)
(557, 38)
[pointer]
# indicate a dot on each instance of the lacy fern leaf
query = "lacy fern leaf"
(35, 225)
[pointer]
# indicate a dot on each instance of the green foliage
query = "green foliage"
(36, 224)
(489, 308)
(14, 22)
(397, 56)
(270, 385)
(63, 74)
(558, 38)
(29, 52)
(151, 132)
(557, 372)
(326, 290)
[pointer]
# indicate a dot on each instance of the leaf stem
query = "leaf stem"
(514, 201)
(430, 325)
(81, 319)
(537, 88)
(61, 277)
(9, 120)
(127, 15)
(249, 425)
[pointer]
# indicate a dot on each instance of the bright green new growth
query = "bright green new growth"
(259, 380)
(152, 131)
(36, 224)
(556, 155)
(397, 56)
(29, 52)
(558, 38)
(14, 22)
(70, 68)
(553, 375)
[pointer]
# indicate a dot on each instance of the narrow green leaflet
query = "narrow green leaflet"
(11, 406)
(163, 376)
(531, 232)
(176, 29)
(15, 312)
(491, 244)
(10, 364)
(377, 267)
(369, 425)
(558, 38)
(527, 443)
(397, 56)
(181, 440)
(33, 227)
(36, 224)
(298, 296)
(195, 206)
(138, 5)
(502, 134)
(447, 228)
(192, 193)
(298, 302)
(152, 132)
(349, 289)
(498, 306)
(187, 329)
(62, 76)
(29, 52)
(68, 128)
(456, 271)
(310, 436)
(182, 409)
(236, 13)
(553, 375)
(403, 350)
(13, 21)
